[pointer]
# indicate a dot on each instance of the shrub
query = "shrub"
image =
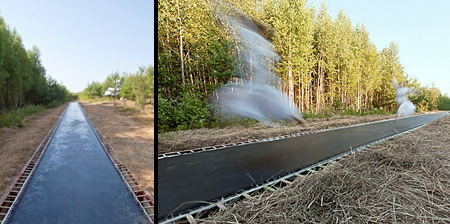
(187, 112)
(443, 103)
(15, 117)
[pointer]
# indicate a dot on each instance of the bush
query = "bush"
(189, 111)
(53, 104)
(15, 117)
(32, 109)
(443, 103)
(8, 119)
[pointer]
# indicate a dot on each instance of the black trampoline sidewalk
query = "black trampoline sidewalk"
(75, 181)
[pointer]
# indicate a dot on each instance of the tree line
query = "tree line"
(327, 65)
(23, 79)
(137, 86)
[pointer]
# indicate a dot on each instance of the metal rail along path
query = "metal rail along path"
(75, 181)
(195, 180)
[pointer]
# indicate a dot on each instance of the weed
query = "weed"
(15, 117)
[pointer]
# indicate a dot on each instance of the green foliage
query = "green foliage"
(74, 96)
(126, 110)
(189, 111)
(232, 121)
(53, 104)
(443, 103)
(15, 117)
(23, 79)
(426, 98)
(113, 82)
(92, 91)
(8, 119)
(195, 57)
(140, 86)
(150, 80)
(32, 109)
(194, 53)
(127, 90)
(137, 86)
(329, 66)
(312, 114)
(331, 113)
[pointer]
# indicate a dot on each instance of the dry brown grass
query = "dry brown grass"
(131, 134)
(18, 144)
(191, 139)
(404, 180)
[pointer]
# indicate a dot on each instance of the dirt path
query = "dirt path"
(403, 180)
(131, 135)
(18, 144)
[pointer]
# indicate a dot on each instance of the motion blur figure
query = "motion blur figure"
(259, 101)
(406, 107)
(255, 95)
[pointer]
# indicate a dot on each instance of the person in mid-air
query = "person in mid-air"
(406, 107)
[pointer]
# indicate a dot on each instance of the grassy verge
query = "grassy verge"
(330, 113)
(12, 118)
(98, 99)
(231, 121)
(126, 111)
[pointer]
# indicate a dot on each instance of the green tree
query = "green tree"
(23, 80)
(150, 81)
(326, 64)
(389, 64)
(126, 90)
(293, 41)
(140, 87)
(443, 102)
(112, 84)
(92, 91)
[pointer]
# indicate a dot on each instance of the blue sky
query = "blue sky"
(421, 29)
(83, 41)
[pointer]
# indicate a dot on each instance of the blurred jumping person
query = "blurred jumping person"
(405, 107)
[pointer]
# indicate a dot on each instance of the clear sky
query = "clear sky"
(83, 41)
(421, 29)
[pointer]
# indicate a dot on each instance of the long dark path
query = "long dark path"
(184, 181)
(75, 181)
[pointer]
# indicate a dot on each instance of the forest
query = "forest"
(137, 86)
(328, 66)
(23, 79)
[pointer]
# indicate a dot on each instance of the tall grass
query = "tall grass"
(12, 118)
(331, 113)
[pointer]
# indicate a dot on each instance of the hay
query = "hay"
(404, 180)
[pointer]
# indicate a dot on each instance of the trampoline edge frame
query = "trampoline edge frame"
(36, 156)
(115, 163)
(244, 193)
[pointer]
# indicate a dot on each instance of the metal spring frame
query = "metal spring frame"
(16, 189)
(144, 200)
